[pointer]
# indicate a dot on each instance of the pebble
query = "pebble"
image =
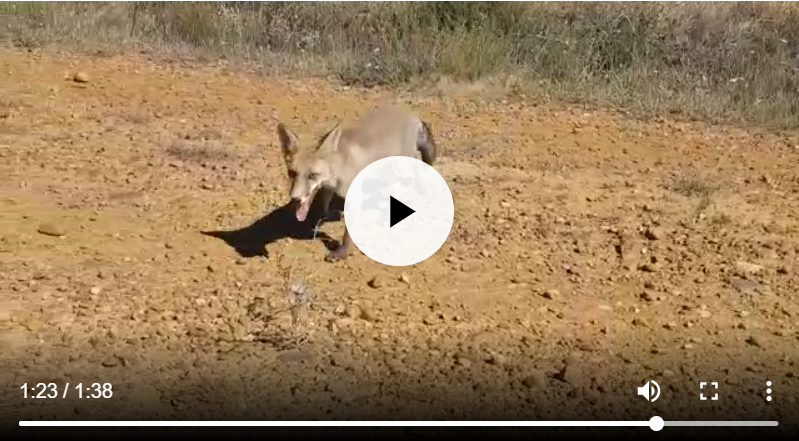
(570, 373)
(463, 361)
(496, 359)
(95, 290)
(80, 77)
(653, 233)
(375, 282)
(744, 269)
(649, 268)
(753, 341)
(368, 314)
(178, 405)
(353, 312)
(51, 229)
(431, 319)
(535, 380)
(744, 286)
(551, 294)
(111, 362)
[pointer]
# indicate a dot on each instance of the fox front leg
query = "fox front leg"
(324, 204)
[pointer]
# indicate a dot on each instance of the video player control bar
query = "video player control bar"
(656, 423)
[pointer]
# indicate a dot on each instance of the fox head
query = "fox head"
(308, 169)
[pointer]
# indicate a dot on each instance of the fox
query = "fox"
(328, 166)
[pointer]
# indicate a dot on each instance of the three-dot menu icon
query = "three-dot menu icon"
(768, 391)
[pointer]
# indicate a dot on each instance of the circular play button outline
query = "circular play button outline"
(399, 211)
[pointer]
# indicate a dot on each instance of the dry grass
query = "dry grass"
(191, 152)
(691, 183)
(713, 60)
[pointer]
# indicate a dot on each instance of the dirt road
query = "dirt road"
(590, 253)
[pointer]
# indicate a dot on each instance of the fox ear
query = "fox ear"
(329, 142)
(289, 143)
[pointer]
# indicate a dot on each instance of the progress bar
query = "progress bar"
(656, 423)
(723, 423)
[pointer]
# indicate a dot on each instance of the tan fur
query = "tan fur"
(330, 167)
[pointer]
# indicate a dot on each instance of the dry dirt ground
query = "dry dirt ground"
(591, 252)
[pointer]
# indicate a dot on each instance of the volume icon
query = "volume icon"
(768, 391)
(650, 391)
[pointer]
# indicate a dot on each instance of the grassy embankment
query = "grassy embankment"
(719, 61)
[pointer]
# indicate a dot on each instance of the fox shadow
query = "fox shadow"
(280, 223)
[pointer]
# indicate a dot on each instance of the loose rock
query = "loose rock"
(551, 294)
(367, 313)
(649, 268)
(653, 233)
(570, 373)
(111, 362)
(80, 77)
(744, 286)
(535, 380)
(353, 312)
(431, 319)
(51, 229)
(463, 361)
(744, 269)
(753, 341)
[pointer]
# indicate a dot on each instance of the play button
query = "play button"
(399, 211)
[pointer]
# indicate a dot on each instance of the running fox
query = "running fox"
(340, 154)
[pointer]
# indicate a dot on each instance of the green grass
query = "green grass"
(721, 61)
(21, 8)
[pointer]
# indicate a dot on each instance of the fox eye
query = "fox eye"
(313, 176)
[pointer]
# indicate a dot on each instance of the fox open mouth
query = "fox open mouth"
(304, 205)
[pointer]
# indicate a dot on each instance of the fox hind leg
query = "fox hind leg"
(426, 144)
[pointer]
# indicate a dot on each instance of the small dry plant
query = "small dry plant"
(194, 152)
(300, 299)
(692, 183)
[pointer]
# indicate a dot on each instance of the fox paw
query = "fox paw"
(339, 253)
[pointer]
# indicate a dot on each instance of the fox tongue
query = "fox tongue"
(302, 210)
